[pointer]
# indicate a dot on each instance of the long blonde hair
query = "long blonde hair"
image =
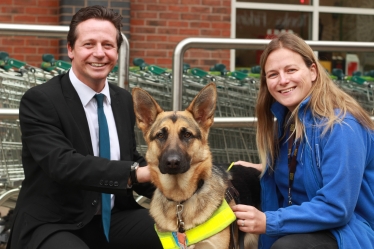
(325, 96)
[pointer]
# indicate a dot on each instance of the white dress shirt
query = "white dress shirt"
(86, 95)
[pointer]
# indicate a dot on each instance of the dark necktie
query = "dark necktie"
(104, 151)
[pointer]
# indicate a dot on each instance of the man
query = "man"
(59, 205)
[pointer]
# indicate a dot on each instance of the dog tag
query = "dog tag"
(180, 239)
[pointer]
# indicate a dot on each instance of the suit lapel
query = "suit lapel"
(77, 111)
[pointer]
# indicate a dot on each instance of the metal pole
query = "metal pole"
(123, 64)
(6, 113)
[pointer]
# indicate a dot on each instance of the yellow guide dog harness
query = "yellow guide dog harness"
(220, 219)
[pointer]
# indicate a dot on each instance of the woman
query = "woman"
(317, 158)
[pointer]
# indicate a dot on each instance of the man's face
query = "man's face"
(95, 52)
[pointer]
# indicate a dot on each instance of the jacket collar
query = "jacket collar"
(280, 112)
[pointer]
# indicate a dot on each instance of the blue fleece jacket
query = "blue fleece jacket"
(339, 181)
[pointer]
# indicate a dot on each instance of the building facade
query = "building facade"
(155, 27)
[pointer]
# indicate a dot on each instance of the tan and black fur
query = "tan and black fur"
(181, 164)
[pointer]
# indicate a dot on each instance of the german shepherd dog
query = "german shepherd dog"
(189, 188)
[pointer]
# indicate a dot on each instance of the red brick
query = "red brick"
(137, 22)
(150, 60)
(157, 23)
(189, 32)
(164, 45)
(54, 42)
(189, 16)
(200, 25)
(47, 50)
(12, 10)
(209, 62)
(140, 30)
(135, 37)
(48, 19)
(226, 33)
(137, 53)
(25, 50)
(37, 10)
(169, 2)
(34, 59)
(5, 18)
(179, 8)
(49, 3)
(148, 15)
(221, 25)
(156, 38)
(13, 41)
(164, 62)
(37, 42)
(24, 19)
(156, 7)
(220, 10)
(212, 2)
(137, 7)
(201, 9)
(156, 53)
(211, 18)
(144, 45)
(170, 16)
(166, 30)
(6, 2)
(25, 2)
(191, 2)
(211, 33)
(199, 53)
(178, 24)
(176, 38)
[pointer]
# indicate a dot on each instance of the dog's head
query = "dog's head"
(177, 140)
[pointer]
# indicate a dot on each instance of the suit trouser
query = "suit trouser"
(130, 229)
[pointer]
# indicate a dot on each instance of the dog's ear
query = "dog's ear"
(203, 106)
(145, 107)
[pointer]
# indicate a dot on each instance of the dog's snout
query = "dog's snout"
(173, 161)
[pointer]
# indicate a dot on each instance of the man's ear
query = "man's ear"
(70, 51)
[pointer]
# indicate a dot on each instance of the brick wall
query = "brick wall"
(153, 27)
(29, 48)
(157, 26)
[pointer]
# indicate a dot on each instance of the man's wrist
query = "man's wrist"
(133, 175)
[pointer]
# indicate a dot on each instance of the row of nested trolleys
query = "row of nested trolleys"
(236, 98)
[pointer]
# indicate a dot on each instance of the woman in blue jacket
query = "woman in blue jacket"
(317, 158)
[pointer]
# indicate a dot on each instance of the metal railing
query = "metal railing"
(230, 43)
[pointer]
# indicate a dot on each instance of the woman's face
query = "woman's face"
(288, 79)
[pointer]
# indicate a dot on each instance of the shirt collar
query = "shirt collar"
(86, 93)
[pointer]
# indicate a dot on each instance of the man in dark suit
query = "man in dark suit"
(59, 205)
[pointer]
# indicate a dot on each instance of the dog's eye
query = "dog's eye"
(160, 135)
(187, 134)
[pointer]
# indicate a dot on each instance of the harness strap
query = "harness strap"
(220, 219)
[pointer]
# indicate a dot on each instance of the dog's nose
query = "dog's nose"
(173, 161)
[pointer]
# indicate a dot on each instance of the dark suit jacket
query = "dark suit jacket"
(63, 180)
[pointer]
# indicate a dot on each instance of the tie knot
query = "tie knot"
(100, 98)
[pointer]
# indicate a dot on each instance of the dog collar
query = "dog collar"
(220, 219)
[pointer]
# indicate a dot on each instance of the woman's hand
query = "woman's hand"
(250, 219)
(247, 164)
